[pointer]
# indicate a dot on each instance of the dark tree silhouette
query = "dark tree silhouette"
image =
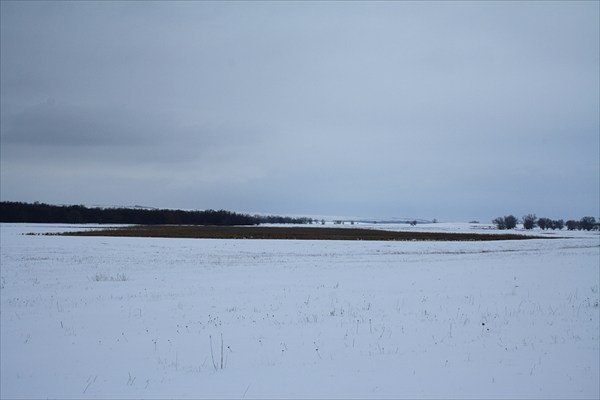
(507, 222)
(587, 223)
(529, 221)
(45, 213)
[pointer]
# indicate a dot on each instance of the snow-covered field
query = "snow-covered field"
(95, 317)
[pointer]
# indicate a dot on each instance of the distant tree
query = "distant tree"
(529, 221)
(587, 223)
(544, 223)
(558, 224)
(45, 213)
(507, 222)
(510, 221)
(500, 223)
(572, 225)
(74, 217)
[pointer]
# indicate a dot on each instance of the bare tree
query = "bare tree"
(587, 223)
(510, 221)
(507, 222)
(529, 221)
(544, 223)
(499, 222)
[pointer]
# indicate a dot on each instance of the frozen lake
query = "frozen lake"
(96, 317)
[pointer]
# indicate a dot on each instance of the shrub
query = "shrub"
(106, 278)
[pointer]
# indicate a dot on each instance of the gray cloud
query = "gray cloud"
(447, 110)
(49, 124)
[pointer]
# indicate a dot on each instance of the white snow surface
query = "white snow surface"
(100, 317)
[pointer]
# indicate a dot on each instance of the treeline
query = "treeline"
(530, 221)
(77, 214)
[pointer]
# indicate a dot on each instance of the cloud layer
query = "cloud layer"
(434, 110)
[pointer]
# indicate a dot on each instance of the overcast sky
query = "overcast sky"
(449, 110)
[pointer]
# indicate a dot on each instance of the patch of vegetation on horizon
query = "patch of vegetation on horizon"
(289, 233)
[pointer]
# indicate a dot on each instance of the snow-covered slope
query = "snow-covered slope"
(135, 318)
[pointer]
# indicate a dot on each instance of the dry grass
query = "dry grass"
(293, 233)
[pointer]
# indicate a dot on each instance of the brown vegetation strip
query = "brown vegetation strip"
(294, 233)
